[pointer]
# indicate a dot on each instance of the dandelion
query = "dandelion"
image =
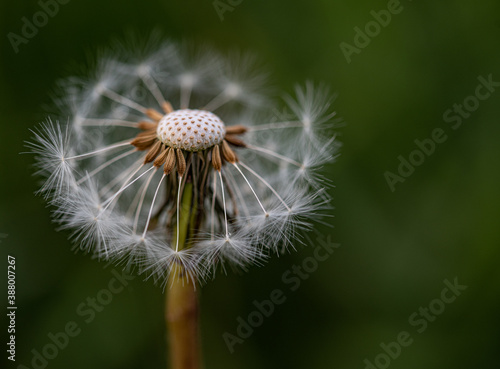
(171, 165)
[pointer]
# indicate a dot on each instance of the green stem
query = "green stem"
(182, 305)
(185, 216)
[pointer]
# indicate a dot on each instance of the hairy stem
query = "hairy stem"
(182, 305)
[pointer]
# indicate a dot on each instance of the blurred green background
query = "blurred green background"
(396, 248)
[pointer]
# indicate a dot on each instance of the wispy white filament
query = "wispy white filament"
(105, 165)
(92, 122)
(212, 210)
(119, 178)
(266, 183)
(236, 187)
(141, 201)
(251, 188)
(153, 88)
(224, 203)
(277, 125)
(218, 101)
(96, 152)
(185, 96)
(178, 212)
(275, 154)
(152, 205)
(125, 186)
(123, 100)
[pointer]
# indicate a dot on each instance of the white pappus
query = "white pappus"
(176, 142)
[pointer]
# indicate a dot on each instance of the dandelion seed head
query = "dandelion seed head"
(173, 161)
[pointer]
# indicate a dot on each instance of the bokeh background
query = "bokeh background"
(396, 247)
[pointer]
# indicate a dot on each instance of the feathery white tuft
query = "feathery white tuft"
(115, 184)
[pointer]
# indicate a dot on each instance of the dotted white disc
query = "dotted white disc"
(191, 130)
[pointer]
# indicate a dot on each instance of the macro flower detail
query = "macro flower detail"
(175, 162)
(190, 130)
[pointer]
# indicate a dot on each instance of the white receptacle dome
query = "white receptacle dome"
(191, 130)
